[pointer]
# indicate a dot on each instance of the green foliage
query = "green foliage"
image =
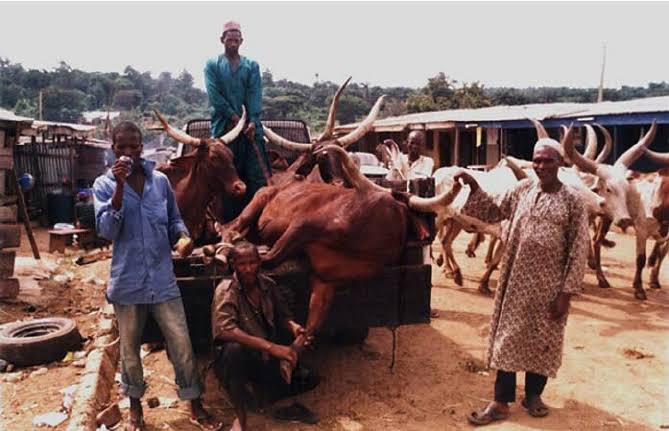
(67, 92)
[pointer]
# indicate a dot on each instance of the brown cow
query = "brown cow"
(200, 175)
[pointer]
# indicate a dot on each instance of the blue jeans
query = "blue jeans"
(171, 319)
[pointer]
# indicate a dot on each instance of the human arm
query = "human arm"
(176, 228)
(482, 206)
(225, 327)
(253, 101)
(577, 253)
(108, 205)
(216, 98)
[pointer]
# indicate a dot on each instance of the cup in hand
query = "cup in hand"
(128, 161)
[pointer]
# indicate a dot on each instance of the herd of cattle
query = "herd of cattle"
(350, 228)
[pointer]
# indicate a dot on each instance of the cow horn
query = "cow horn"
(437, 202)
(591, 142)
(351, 170)
(176, 134)
(541, 131)
(332, 114)
(364, 127)
(286, 143)
(635, 151)
(584, 164)
(229, 137)
(608, 144)
(659, 158)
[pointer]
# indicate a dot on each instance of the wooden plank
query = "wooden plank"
(6, 158)
(2, 138)
(7, 258)
(9, 288)
(8, 214)
(10, 236)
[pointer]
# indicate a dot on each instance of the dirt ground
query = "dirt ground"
(439, 375)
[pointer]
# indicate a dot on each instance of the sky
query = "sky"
(387, 44)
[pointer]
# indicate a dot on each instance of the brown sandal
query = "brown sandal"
(535, 407)
(207, 422)
(486, 415)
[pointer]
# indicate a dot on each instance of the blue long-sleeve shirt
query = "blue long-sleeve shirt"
(228, 90)
(143, 232)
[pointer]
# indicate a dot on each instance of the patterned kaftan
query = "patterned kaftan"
(546, 250)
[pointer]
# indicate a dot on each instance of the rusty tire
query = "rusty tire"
(38, 341)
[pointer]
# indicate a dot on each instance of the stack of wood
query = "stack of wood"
(10, 232)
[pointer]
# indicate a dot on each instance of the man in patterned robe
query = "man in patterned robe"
(543, 266)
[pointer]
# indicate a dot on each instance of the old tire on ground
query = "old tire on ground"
(38, 341)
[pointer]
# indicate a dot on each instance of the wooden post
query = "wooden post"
(24, 215)
(456, 148)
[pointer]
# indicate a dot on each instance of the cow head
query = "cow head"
(328, 163)
(621, 199)
(212, 162)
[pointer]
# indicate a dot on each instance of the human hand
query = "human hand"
(184, 247)
(121, 170)
(285, 353)
(467, 179)
(560, 306)
(298, 330)
(250, 131)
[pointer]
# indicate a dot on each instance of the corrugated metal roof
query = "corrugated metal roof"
(40, 125)
(447, 119)
(6, 115)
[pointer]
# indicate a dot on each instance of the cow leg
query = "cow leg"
(473, 244)
(659, 253)
(319, 304)
(484, 285)
(453, 232)
(491, 250)
(290, 242)
(641, 237)
(602, 230)
(248, 219)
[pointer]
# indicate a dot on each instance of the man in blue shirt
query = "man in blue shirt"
(232, 81)
(136, 210)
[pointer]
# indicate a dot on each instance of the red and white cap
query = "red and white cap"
(231, 25)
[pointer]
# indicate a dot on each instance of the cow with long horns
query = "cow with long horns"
(621, 199)
(199, 176)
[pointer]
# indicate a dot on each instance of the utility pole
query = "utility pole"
(40, 105)
(600, 95)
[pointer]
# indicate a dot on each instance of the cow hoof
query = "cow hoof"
(457, 277)
(640, 294)
(440, 260)
(655, 285)
(603, 284)
(608, 243)
(470, 253)
(484, 289)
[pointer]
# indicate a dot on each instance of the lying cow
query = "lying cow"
(347, 230)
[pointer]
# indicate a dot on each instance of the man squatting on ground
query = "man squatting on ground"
(252, 328)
